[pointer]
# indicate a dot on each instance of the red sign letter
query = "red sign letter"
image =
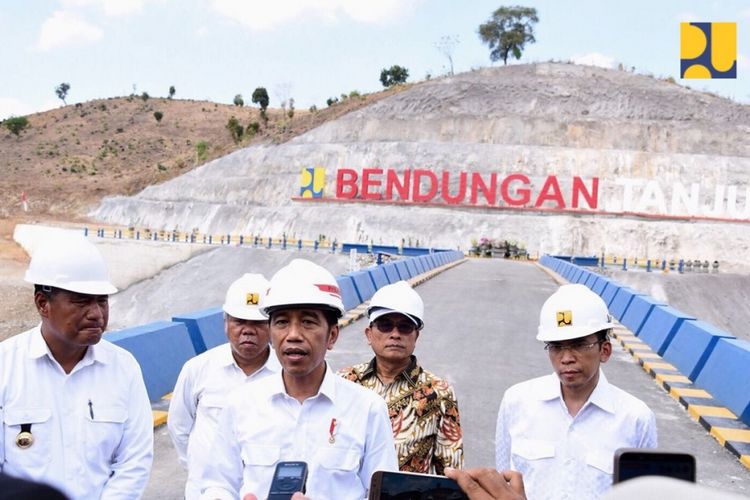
(391, 181)
(592, 197)
(550, 191)
(432, 191)
(524, 194)
(445, 188)
(490, 194)
(368, 182)
(346, 178)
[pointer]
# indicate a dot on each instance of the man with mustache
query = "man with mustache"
(73, 407)
(422, 406)
(561, 430)
(205, 381)
(304, 413)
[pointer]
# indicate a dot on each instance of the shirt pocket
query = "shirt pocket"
(602, 460)
(526, 452)
(38, 455)
(257, 455)
(338, 459)
(103, 432)
(210, 407)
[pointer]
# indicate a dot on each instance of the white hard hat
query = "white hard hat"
(302, 283)
(572, 312)
(399, 297)
(243, 297)
(70, 262)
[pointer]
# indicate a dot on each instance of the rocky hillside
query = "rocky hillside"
(546, 119)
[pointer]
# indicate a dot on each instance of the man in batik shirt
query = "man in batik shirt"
(422, 406)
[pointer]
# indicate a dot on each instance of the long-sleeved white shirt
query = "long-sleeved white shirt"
(92, 428)
(563, 457)
(198, 398)
(262, 425)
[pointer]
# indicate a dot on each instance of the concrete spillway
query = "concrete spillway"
(671, 168)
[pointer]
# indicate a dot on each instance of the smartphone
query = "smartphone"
(410, 486)
(635, 462)
(288, 478)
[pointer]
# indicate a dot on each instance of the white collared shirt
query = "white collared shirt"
(92, 428)
(262, 425)
(564, 457)
(200, 394)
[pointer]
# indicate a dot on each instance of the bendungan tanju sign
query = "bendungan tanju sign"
(518, 191)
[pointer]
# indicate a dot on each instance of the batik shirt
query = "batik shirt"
(424, 416)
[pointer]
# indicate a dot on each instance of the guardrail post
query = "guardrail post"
(648, 266)
(681, 266)
(663, 264)
(210, 239)
(269, 242)
(624, 263)
(299, 244)
(242, 240)
(255, 241)
(283, 243)
(315, 245)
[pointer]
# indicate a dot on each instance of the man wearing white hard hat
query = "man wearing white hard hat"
(422, 406)
(306, 412)
(74, 408)
(205, 381)
(561, 430)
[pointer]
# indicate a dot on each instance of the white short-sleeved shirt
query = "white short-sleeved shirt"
(262, 425)
(563, 457)
(92, 428)
(199, 396)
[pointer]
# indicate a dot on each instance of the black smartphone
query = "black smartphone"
(410, 486)
(288, 478)
(635, 462)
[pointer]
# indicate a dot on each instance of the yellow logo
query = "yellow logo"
(564, 318)
(252, 299)
(312, 183)
(708, 50)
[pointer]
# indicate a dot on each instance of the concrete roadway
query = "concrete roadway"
(481, 319)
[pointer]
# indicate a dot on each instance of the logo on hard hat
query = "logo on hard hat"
(333, 290)
(564, 318)
(252, 299)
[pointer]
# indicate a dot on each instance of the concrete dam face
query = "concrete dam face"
(564, 158)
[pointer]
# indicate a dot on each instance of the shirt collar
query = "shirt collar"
(410, 373)
(327, 388)
(601, 397)
(38, 348)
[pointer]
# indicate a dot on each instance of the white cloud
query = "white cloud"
(65, 28)
(12, 107)
(201, 31)
(745, 13)
(111, 8)
(594, 59)
(262, 14)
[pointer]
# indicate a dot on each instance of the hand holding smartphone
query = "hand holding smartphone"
(288, 478)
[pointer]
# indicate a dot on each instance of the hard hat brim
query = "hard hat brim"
(84, 287)
(572, 332)
(248, 313)
(374, 313)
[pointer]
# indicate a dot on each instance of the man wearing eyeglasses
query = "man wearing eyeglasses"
(561, 430)
(422, 407)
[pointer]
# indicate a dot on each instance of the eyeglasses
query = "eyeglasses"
(387, 326)
(578, 348)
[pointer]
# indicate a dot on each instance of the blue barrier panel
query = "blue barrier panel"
(562, 257)
(363, 284)
(691, 346)
(598, 287)
(418, 264)
(412, 266)
(359, 247)
(414, 251)
(726, 376)
(661, 326)
(609, 292)
(349, 294)
(205, 327)
(390, 271)
(621, 302)
(161, 349)
(378, 276)
(429, 261)
(583, 277)
(575, 274)
(403, 270)
(591, 280)
(439, 258)
(385, 249)
(586, 261)
(635, 316)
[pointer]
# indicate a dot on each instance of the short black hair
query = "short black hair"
(48, 291)
(603, 335)
(331, 315)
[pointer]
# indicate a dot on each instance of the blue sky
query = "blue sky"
(313, 49)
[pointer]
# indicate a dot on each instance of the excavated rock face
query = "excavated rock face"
(565, 158)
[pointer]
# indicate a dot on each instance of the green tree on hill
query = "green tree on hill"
(508, 31)
(238, 100)
(260, 97)
(171, 91)
(393, 76)
(62, 91)
(158, 115)
(16, 124)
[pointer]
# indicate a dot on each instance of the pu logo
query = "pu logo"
(564, 318)
(252, 299)
(708, 50)
(312, 183)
